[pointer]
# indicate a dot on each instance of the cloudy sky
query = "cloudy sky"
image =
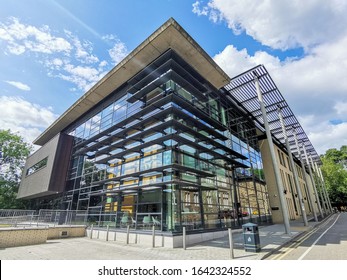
(53, 51)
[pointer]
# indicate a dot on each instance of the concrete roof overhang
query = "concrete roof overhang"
(169, 36)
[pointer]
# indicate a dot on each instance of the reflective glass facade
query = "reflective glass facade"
(167, 149)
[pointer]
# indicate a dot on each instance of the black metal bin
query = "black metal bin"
(251, 237)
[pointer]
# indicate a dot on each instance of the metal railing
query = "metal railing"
(61, 217)
(13, 217)
(44, 217)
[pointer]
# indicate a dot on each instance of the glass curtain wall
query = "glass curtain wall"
(164, 154)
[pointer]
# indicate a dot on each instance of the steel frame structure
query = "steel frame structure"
(242, 89)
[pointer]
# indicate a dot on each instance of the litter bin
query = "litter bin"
(251, 237)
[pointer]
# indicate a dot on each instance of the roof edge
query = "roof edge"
(120, 73)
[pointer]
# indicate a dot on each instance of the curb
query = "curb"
(295, 237)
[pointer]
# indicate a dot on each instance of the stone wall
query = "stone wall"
(66, 231)
(13, 237)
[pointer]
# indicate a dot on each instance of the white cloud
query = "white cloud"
(109, 37)
(83, 76)
(280, 24)
(118, 52)
(57, 62)
(19, 85)
(16, 49)
(341, 109)
(65, 57)
(103, 63)
(21, 38)
(204, 11)
(234, 62)
(19, 115)
(83, 50)
(314, 85)
(323, 134)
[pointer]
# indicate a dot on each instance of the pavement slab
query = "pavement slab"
(271, 238)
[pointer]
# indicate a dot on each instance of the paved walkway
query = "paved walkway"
(271, 238)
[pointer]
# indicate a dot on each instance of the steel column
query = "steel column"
(313, 182)
(279, 182)
(325, 194)
(321, 175)
(304, 175)
(320, 189)
(295, 173)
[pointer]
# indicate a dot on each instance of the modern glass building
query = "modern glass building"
(158, 141)
(167, 149)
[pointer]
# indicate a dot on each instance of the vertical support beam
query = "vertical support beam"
(202, 211)
(309, 193)
(324, 194)
(256, 192)
(279, 182)
(319, 186)
(236, 200)
(295, 173)
(313, 182)
(321, 175)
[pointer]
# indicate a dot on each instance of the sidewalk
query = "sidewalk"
(271, 238)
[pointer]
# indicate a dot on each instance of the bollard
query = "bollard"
(231, 244)
(184, 238)
(107, 230)
(153, 236)
(128, 232)
(91, 231)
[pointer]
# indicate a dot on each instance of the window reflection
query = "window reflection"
(183, 181)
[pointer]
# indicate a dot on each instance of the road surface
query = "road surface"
(326, 242)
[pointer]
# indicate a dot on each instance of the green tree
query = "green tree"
(335, 175)
(334, 155)
(343, 149)
(13, 152)
(343, 160)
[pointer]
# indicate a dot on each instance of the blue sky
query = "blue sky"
(52, 52)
